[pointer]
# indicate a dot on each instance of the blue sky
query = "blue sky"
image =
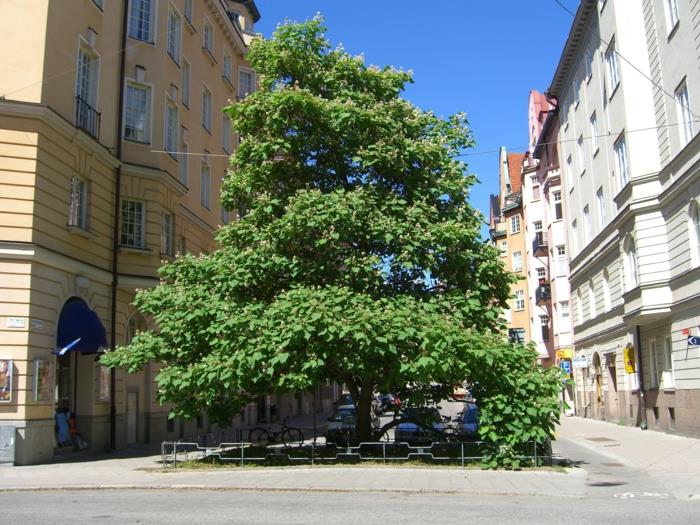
(480, 57)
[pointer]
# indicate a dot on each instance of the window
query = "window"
(227, 66)
(607, 303)
(246, 83)
(137, 112)
(77, 211)
(591, 300)
(225, 215)
(99, 3)
(544, 324)
(631, 268)
(86, 116)
(188, 10)
(579, 308)
(205, 186)
(174, 34)
(226, 133)
(586, 224)
(564, 312)
(504, 248)
(667, 379)
(541, 273)
(517, 261)
(569, 173)
(537, 226)
(133, 224)
(653, 364)
(535, 189)
(581, 155)
(594, 133)
(562, 261)
(141, 20)
(685, 116)
(694, 233)
(578, 83)
(557, 206)
(588, 63)
(186, 83)
(167, 244)
(183, 163)
(171, 127)
(516, 335)
(601, 207)
(208, 43)
(574, 237)
(671, 8)
(206, 109)
(622, 165)
(520, 300)
(613, 67)
(515, 224)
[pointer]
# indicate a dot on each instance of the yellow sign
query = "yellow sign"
(564, 353)
(630, 363)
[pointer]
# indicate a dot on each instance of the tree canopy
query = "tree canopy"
(356, 257)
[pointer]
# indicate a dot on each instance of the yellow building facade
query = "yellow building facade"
(113, 147)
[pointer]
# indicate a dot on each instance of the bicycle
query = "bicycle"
(290, 437)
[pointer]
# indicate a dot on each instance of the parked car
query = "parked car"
(385, 402)
(467, 422)
(419, 426)
(341, 425)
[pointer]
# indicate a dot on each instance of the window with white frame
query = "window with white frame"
(171, 127)
(601, 207)
(541, 273)
(537, 226)
(671, 11)
(77, 210)
(168, 235)
(694, 233)
(133, 224)
(174, 34)
(206, 108)
(517, 261)
(208, 42)
(581, 155)
(519, 300)
(564, 313)
(544, 324)
(141, 18)
(588, 63)
(685, 116)
(183, 163)
(591, 300)
(246, 82)
(613, 67)
(594, 132)
(569, 173)
(586, 224)
(535, 188)
(504, 248)
(228, 68)
(87, 79)
(205, 186)
(653, 364)
(607, 302)
(667, 379)
(631, 268)
(562, 261)
(226, 133)
(623, 172)
(137, 112)
(558, 212)
(515, 224)
(188, 10)
(186, 73)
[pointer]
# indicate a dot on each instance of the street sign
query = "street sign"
(686, 331)
(694, 340)
(580, 361)
(565, 365)
(630, 361)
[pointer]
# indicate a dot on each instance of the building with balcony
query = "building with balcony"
(628, 92)
(507, 226)
(113, 147)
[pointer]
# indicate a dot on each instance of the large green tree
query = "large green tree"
(356, 257)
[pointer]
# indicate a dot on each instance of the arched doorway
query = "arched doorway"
(598, 396)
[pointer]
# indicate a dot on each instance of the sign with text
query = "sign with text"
(630, 361)
(580, 361)
(565, 365)
(694, 340)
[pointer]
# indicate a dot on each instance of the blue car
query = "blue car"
(420, 426)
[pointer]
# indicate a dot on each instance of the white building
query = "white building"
(628, 86)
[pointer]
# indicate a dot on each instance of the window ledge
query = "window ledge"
(177, 62)
(614, 90)
(673, 30)
(135, 249)
(209, 55)
(149, 42)
(135, 141)
(228, 82)
(595, 153)
(190, 26)
(80, 232)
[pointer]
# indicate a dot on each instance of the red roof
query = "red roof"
(515, 164)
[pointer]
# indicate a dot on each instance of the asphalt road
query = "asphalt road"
(288, 508)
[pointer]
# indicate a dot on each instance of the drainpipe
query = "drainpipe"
(115, 233)
(642, 397)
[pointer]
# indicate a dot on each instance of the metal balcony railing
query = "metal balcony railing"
(543, 294)
(512, 200)
(87, 118)
(539, 244)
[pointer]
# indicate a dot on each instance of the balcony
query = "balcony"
(499, 230)
(543, 294)
(512, 201)
(539, 245)
(87, 118)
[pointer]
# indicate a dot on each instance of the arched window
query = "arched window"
(607, 302)
(591, 300)
(136, 324)
(631, 268)
(694, 233)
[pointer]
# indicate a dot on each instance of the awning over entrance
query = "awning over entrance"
(79, 329)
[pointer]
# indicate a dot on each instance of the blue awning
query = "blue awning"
(79, 329)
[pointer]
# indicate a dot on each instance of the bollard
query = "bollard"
(242, 453)
(462, 454)
(536, 453)
(313, 451)
(384, 452)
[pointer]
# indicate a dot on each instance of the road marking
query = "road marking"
(631, 495)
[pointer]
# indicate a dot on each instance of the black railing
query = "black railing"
(543, 294)
(539, 244)
(87, 118)
(512, 200)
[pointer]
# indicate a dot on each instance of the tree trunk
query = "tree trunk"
(364, 415)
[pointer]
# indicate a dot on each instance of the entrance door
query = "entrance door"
(132, 417)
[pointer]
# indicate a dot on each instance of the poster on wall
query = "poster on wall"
(102, 383)
(5, 380)
(43, 379)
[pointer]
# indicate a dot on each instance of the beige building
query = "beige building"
(507, 229)
(112, 151)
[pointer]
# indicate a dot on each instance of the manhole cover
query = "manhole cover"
(613, 464)
(600, 439)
